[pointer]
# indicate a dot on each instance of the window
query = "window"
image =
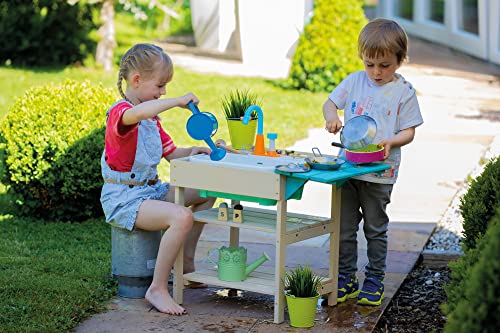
(404, 9)
(436, 11)
(468, 16)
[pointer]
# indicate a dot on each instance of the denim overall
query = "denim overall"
(121, 202)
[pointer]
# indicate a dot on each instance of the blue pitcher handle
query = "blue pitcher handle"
(210, 259)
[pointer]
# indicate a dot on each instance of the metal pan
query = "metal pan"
(357, 133)
(321, 162)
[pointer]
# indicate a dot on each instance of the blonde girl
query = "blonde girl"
(132, 195)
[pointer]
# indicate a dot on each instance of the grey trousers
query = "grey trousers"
(364, 201)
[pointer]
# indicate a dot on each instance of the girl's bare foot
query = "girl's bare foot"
(163, 302)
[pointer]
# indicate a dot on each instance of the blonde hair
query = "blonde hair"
(381, 37)
(145, 59)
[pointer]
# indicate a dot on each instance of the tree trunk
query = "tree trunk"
(107, 43)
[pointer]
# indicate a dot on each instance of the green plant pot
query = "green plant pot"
(302, 311)
(242, 136)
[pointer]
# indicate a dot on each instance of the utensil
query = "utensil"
(293, 167)
(321, 162)
(357, 133)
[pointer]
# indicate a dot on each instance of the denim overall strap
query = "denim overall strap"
(147, 156)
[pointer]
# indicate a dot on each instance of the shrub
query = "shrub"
(50, 147)
(328, 50)
(45, 32)
(479, 203)
(478, 310)
(477, 207)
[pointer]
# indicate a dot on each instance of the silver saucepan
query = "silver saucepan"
(357, 133)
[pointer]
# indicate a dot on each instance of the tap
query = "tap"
(259, 137)
(260, 117)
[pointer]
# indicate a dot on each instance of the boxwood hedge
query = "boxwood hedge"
(328, 49)
(50, 147)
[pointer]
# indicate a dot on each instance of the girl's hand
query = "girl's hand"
(183, 101)
(200, 150)
(387, 147)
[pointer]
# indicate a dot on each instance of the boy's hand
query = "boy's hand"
(333, 124)
(183, 101)
(332, 120)
(387, 147)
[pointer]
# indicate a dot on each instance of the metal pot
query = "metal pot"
(357, 133)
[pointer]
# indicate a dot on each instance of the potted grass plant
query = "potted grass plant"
(302, 287)
(234, 106)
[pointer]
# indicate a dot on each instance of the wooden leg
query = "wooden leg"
(234, 236)
(179, 261)
(279, 268)
(234, 233)
(333, 272)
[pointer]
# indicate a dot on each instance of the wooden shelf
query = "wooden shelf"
(298, 226)
(260, 280)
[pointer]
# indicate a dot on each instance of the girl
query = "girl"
(132, 195)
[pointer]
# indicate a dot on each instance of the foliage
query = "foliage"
(152, 15)
(302, 282)
(51, 143)
(327, 50)
(237, 102)
(53, 275)
(45, 32)
(478, 205)
(460, 274)
(478, 310)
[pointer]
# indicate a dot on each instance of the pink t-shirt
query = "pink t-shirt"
(121, 141)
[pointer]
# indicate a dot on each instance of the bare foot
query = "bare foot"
(163, 302)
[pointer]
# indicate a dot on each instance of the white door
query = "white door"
(470, 26)
(494, 11)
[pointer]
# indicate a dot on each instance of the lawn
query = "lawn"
(54, 275)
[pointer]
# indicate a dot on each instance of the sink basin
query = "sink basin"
(252, 162)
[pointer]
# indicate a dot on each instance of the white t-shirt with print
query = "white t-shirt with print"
(394, 107)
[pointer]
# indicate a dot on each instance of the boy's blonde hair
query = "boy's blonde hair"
(381, 37)
(145, 59)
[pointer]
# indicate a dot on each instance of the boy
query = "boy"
(386, 96)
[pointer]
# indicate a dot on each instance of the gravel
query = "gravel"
(416, 307)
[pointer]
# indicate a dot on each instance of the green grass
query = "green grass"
(53, 275)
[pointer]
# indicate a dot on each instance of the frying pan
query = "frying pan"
(321, 162)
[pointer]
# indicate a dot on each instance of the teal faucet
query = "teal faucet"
(259, 138)
(260, 117)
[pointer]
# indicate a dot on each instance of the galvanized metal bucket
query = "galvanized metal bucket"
(133, 259)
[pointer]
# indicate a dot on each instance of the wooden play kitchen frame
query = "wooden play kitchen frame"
(231, 182)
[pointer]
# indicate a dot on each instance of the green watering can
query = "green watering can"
(232, 263)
